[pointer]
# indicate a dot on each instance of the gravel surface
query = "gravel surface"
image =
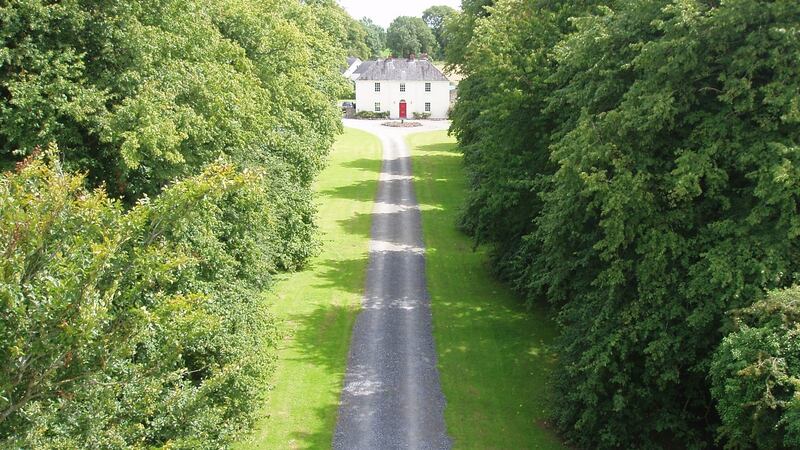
(392, 398)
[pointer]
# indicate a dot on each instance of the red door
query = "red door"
(403, 109)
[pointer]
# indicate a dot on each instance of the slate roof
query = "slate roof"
(350, 60)
(363, 67)
(399, 69)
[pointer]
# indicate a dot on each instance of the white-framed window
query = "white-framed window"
(377, 106)
(427, 106)
(427, 87)
(402, 87)
(377, 87)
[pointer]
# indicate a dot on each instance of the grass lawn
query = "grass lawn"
(492, 355)
(316, 308)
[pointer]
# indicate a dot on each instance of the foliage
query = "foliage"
(422, 115)
(315, 308)
(372, 115)
(134, 308)
(460, 29)
(436, 17)
(756, 375)
(349, 94)
(637, 167)
(129, 328)
(140, 93)
(346, 31)
(375, 39)
(408, 36)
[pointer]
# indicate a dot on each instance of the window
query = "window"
(377, 87)
(377, 106)
(402, 87)
(427, 107)
(427, 87)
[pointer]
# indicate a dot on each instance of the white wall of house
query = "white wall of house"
(415, 96)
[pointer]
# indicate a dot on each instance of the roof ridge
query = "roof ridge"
(400, 69)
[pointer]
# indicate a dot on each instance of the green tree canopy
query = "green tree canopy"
(130, 328)
(634, 162)
(348, 32)
(437, 18)
(131, 299)
(755, 374)
(410, 35)
(139, 93)
(376, 37)
(460, 28)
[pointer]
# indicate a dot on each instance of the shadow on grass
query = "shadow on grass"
(358, 224)
(339, 274)
(354, 191)
(445, 148)
(367, 165)
(318, 337)
(494, 354)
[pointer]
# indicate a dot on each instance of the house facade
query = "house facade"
(402, 87)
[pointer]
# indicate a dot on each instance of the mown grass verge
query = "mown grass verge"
(316, 308)
(492, 351)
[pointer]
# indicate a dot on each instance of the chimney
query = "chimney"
(412, 57)
(423, 56)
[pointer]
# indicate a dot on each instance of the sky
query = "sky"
(383, 12)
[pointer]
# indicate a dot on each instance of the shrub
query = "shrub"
(348, 94)
(370, 115)
(422, 116)
(121, 329)
(755, 375)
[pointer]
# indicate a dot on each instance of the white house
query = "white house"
(352, 63)
(402, 87)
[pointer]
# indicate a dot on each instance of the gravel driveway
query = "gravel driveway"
(392, 398)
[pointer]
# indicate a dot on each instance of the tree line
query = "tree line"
(405, 36)
(635, 163)
(158, 157)
(408, 36)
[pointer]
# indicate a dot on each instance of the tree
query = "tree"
(131, 300)
(410, 36)
(755, 374)
(460, 29)
(348, 32)
(630, 162)
(136, 112)
(118, 328)
(437, 18)
(376, 37)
